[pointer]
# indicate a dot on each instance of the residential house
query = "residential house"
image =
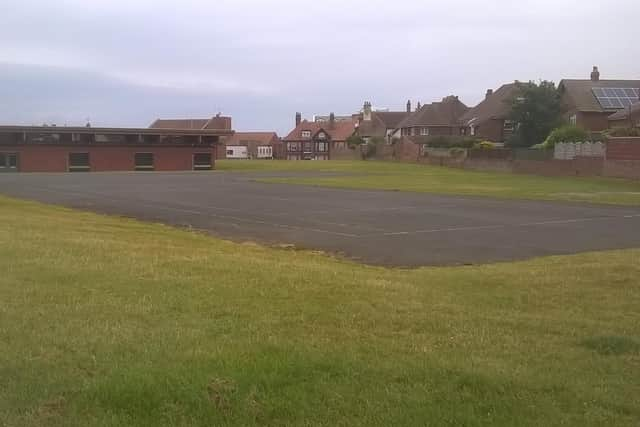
(590, 102)
(315, 140)
(381, 124)
(437, 118)
(251, 145)
(627, 118)
(489, 119)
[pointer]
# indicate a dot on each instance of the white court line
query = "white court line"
(157, 205)
(194, 212)
(502, 226)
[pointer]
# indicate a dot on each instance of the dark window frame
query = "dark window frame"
(144, 165)
(200, 166)
(79, 167)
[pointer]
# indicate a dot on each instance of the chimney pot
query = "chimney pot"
(408, 106)
(595, 74)
(298, 119)
(489, 93)
(367, 111)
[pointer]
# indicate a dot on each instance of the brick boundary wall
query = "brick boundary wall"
(627, 148)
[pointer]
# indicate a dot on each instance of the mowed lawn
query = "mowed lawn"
(435, 179)
(107, 321)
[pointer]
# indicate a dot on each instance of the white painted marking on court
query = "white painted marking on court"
(156, 205)
(503, 226)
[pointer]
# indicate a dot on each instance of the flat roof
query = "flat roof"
(114, 131)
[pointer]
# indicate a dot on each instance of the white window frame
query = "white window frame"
(573, 120)
(306, 134)
(424, 131)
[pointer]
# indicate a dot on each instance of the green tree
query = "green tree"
(536, 110)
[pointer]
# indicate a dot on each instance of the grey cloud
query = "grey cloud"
(262, 60)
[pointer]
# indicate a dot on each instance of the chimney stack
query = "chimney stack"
(366, 111)
(419, 106)
(595, 74)
(489, 93)
(332, 120)
(298, 119)
(408, 106)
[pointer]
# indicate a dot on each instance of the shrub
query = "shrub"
(484, 145)
(567, 133)
(456, 151)
(449, 141)
(622, 132)
(377, 140)
(354, 141)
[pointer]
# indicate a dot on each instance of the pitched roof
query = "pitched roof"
(246, 137)
(580, 94)
(380, 122)
(624, 114)
(340, 131)
(194, 124)
(444, 113)
(215, 122)
(494, 106)
(391, 119)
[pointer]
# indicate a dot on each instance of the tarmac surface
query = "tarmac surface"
(375, 227)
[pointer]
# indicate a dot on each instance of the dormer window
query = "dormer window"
(322, 135)
(306, 134)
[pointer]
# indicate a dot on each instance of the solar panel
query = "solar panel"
(616, 98)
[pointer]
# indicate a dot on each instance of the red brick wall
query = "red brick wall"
(623, 148)
(629, 169)
(406, 150)
(49, 158)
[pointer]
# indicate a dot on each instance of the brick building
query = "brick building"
(627, 118)
(83, 149)
(590, 102)
(315, 140)
(380, 124)
(489, 119)
(259, 145)
(437, 118)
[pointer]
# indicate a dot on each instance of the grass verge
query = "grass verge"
(113, 322)
(441, 180)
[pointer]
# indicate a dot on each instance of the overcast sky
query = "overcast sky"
(127, 62)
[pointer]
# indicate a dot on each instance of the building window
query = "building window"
(79, 162)
(322, 146)
(229, 152)
(473, 130)
(573, 120)
(306, 134)
(202, 161)
(144, 161)
(308, 147)
(509, 125)
(293, 146)
(322, 135)
(424, 131)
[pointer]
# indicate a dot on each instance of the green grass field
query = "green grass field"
(112, 322)
(435, 179)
